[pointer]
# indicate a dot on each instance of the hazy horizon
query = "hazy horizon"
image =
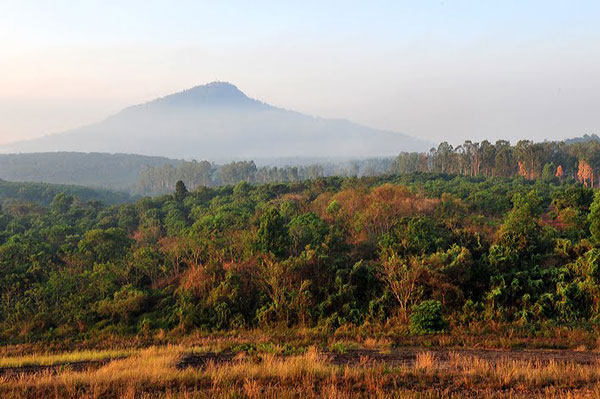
(435, 70)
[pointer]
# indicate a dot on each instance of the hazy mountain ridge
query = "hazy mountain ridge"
(114, 171)
(219, 122)
(44, 193)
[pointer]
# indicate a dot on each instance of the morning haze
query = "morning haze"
(299, 199)
(452, 70)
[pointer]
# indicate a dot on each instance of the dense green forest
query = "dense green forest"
(433, 251)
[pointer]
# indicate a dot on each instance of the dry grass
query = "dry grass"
(152, 373)
(62, 358)
(310, 365)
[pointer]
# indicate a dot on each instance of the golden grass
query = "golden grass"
(425, 362)
(152, 373)
(310, 365)
(62, 358)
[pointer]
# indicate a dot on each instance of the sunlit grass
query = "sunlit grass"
(62, 358)
(153, 372)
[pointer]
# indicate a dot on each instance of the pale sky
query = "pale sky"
(438, 70)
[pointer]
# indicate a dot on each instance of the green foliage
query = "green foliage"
(307, 229)
(180, 191)
(426, 318)
(272, 233)
(323, 253)
(594, 218)
(104, 245)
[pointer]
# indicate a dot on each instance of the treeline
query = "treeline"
(194, 174)
(146, 175)
(20, 193)
(577, 159)
(574, 159)
(323, 253)
(111, 171)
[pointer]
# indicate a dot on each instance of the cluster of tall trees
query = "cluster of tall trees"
(579, 159)
(317, 253)
(161, 179)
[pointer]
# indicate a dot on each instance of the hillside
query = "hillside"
(114, 171)
(44, 193)
(218, 122)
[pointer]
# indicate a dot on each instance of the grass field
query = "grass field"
(62, 358)
(372, 368)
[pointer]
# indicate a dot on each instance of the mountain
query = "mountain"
(218, 122)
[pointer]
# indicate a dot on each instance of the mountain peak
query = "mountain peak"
(218, 121)
(214, 93)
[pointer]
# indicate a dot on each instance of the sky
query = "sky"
(438, 70)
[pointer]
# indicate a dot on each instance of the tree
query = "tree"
(180, 191)
(521, 230)
(585, 174)
(549, 173)
(426, 318)
(594, 218)
(235, 172)
(307, 229)
(272, 233)
(401, 277)
(559, 172)
(103, 246)
(504, 164)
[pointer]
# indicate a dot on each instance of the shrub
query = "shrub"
(426, 318)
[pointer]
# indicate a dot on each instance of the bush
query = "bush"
(426, 318)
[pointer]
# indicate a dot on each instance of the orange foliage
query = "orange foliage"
(524, 172)
(559, 172)
(369, 213)
(585, 173)
(147, 235)
(195, 280)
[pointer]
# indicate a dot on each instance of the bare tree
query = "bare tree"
(402, 279)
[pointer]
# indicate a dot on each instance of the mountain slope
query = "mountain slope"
(219, 122)
(44, 193)
(114, 171)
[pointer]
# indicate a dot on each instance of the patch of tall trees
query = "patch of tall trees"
(578, 160)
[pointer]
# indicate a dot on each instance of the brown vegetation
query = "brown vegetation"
(154, 372)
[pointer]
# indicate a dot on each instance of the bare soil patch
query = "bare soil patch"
(408, 356)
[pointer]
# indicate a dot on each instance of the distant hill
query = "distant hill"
(114, 171)
(218, 122)
(44, 193)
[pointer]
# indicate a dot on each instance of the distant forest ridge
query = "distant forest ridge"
(577, 158)
(113, 171)
(22, 196)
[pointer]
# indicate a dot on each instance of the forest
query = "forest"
(419, 252)
(576, 158)
(139, 175)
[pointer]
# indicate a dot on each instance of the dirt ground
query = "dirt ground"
(407, 356)
(392, 357)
